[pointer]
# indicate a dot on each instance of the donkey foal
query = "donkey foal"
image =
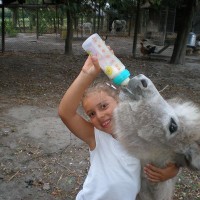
(157, 131)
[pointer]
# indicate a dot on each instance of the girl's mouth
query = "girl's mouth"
(106, 123)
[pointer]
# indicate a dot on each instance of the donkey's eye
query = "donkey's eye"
(172, 126)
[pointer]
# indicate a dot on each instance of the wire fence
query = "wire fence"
(42, 29)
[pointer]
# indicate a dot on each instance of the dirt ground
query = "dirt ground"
(39, 158)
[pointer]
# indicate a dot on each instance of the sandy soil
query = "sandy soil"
(40, 158)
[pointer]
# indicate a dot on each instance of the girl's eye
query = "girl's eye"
(104, 106)
(91, 114)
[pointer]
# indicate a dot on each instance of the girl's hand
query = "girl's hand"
(155, 174)
(91, 66)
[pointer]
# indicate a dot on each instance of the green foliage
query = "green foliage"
(122, 8)
(46, 20)
(7, 13)
(123, 5)
(174, 3)
(34, 1)
(42, 26)
(10, 31)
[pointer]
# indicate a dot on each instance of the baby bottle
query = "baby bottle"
(108, 62)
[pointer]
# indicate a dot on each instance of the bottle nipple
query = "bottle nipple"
(122, 78)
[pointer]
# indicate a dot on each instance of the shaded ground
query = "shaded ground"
(39, 157)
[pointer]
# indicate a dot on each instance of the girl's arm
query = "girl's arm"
(156, 174)
(68, 106)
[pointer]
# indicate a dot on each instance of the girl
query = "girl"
(113, 174)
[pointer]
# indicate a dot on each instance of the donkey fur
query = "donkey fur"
(157, 131)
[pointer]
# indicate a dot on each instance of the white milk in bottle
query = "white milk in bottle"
(108, 62)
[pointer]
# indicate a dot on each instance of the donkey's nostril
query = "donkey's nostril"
(144, 83)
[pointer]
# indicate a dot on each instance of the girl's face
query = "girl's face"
(99, 106)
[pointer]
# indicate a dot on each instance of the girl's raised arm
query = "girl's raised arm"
(71, 100)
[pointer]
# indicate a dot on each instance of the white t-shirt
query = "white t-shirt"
(113, 174)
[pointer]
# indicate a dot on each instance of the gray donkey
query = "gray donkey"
(157, 131)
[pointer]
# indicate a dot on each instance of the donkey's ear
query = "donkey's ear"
(188, 114)
(186, 110)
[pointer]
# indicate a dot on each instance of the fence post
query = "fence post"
(3, 29)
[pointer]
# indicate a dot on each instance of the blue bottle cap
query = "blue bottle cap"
(121, 77)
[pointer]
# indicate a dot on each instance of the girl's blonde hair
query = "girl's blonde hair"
(107, 87)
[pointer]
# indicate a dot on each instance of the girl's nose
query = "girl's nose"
(99, 114)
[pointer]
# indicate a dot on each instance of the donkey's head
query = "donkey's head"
(147, 119)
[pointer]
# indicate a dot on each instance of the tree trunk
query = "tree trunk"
(178, 56)
(165, 25)
(68, 40)
(136, 28)
(15, 16)
(98, 20)
(130, 25)
(3, 28)
(23, 20)
(37, 25)
(94, 18)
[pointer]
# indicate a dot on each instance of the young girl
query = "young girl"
(113, 174)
